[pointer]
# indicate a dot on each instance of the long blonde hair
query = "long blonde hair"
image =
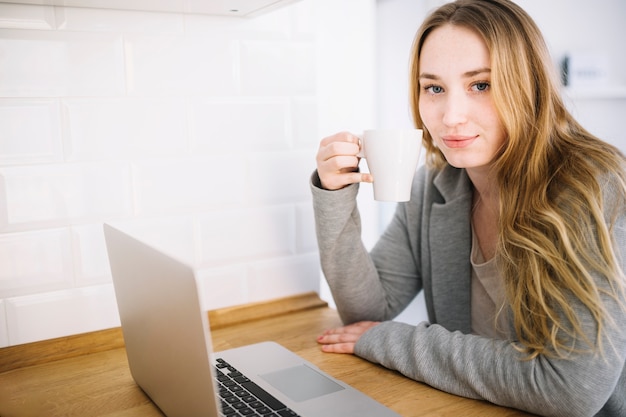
(554, 239)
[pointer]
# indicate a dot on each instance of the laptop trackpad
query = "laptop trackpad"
(301, 383)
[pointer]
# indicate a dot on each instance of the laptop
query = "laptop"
(169, 351)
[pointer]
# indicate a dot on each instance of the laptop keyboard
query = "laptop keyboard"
(242, 397)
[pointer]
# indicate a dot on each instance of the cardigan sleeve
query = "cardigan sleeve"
(362, 289)
(493, 370)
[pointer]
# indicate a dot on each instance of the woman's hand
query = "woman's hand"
(343, 339)
(337, 161)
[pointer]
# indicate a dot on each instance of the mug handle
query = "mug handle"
(361, 153)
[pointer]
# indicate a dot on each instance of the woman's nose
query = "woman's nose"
(455, 110)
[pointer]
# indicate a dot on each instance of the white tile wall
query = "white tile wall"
(196, 133)
(239, 124)
(37, 261)
(170, 185)
(78, 310)
(283, 276)
(25, 142)
(52, 195)
(178, 234)
(43, 63)
(180, 65)
(91, 264)
(221, 287)
(97, 129)
(252, 234)
(270, 67)
(306, 240)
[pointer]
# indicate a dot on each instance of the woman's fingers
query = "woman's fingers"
(337, 161)
(343, 339)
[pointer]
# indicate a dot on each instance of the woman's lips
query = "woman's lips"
(456, 141)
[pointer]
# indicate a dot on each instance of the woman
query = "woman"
(516, 230)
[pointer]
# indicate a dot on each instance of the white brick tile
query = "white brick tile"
(283, 277)
(163, 186)
(222, 287)
(305, 228)
(104, 20)
(49, 63)
(35, 262)
(90, 256)
(52, 194)
(178, 65)
(239, 125)
(278, 68)
(125, 128)
(61, 313)
(4, 330)
(281, 177)
(240, 235)
(30, 131)
(305, 127)
(26, 16)
(175, 235)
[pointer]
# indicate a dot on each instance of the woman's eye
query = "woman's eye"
(433, 89)
(481, 86)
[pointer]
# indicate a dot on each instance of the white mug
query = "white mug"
(392, 156)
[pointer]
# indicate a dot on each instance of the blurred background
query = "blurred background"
(198, 132)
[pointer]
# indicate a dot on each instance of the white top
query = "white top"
(487, 295)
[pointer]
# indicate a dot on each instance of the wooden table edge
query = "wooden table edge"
(45, 351)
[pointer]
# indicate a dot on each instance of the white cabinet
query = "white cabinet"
(236, 8)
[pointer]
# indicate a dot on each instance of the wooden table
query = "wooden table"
(88, 376)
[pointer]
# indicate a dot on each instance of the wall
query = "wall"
(595, 27)
(196, 133)
(199, 134)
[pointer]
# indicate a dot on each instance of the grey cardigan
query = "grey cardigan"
(426, 248)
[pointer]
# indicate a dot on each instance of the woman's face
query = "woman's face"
(455, 102)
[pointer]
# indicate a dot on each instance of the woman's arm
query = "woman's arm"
(494, 370)
(362, 289)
